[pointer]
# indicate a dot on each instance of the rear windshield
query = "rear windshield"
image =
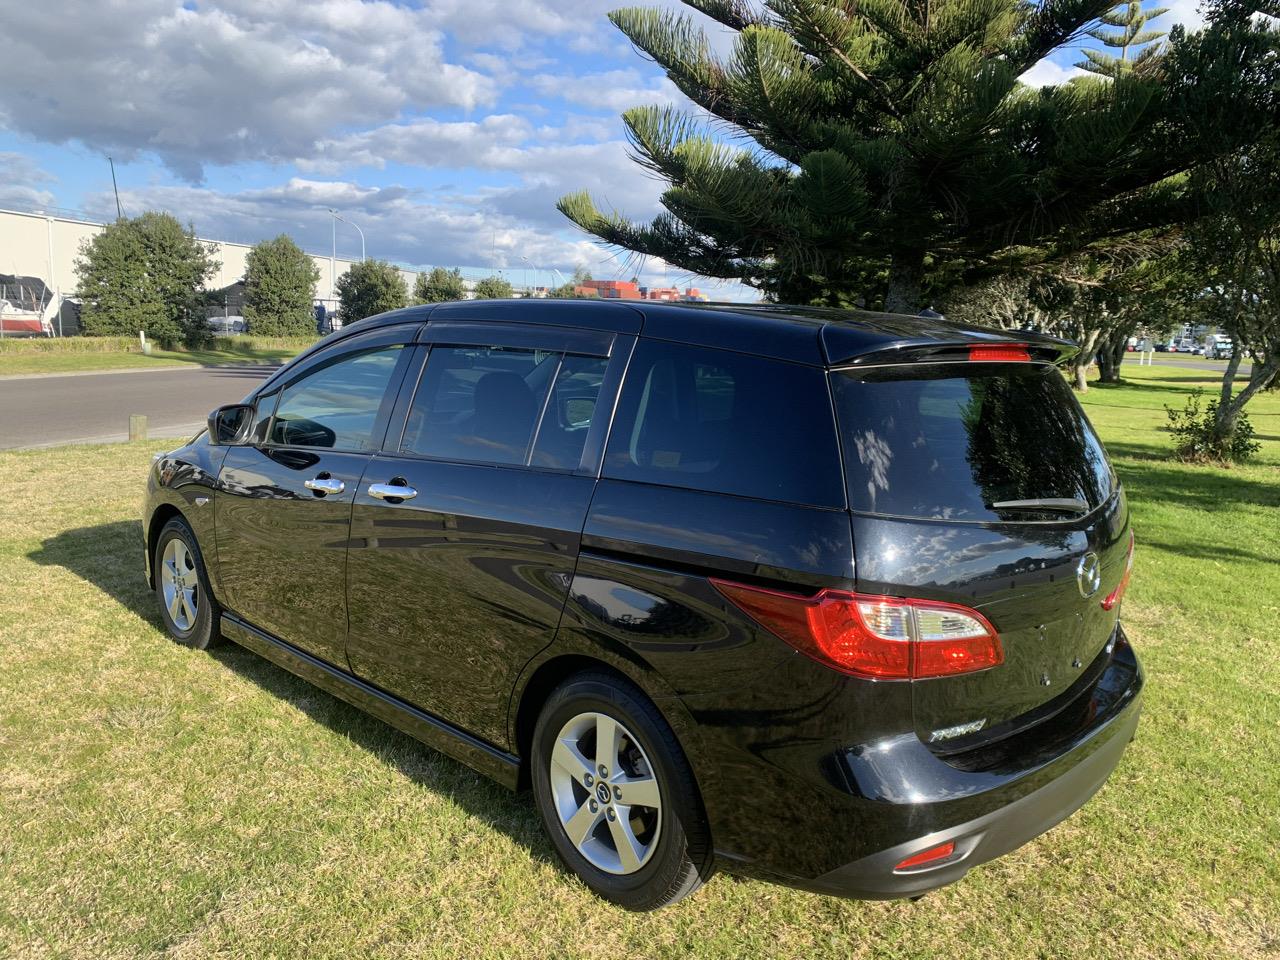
(947, 441)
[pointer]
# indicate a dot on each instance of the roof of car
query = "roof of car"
(816, 335)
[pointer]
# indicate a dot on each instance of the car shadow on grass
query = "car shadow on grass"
(109, 557)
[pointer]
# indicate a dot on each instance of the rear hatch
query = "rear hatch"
(983, 484)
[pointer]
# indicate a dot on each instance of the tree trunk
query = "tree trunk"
(906, 274)
(1079, 365)
(1229, 407)
(1111, 355)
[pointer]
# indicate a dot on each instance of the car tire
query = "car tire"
(181, 584)
(638, 856)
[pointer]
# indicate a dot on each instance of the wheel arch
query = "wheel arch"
(553, 667)
(159, 517)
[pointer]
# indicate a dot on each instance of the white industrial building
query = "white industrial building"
(46, 247)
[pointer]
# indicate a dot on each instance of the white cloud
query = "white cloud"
(423, 143)
(1189, 13)
(221, 83)
(1046, 73)
(19, 177)
(614, 90)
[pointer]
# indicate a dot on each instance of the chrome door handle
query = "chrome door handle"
(391, 491)
(325, 485)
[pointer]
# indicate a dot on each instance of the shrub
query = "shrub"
(1198, 437)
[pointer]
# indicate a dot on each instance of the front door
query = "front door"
(464, 539)
(283, 504)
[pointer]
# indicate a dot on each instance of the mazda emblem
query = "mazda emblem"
(1089, 574)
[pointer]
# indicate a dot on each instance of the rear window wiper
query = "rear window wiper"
(1062, 504)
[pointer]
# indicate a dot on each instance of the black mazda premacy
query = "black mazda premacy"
(824, 597)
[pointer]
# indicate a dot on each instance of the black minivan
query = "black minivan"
(823, 597)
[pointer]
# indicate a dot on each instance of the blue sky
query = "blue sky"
(446, 129)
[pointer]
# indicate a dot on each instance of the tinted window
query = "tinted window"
(563, 432)
(946, 441)
(337, 405)
(728, 423)
(479, 404)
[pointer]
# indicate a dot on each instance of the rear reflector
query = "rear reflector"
(1116, 595)
(1015, 352)
(932, 855)
(884, 638)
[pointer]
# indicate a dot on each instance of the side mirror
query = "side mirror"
(230, 425)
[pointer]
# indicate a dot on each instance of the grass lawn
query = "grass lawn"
(156, 800)
(44, 356)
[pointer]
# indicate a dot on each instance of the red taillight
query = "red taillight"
(1015, 352)
(932, 855)
(884, 638)
(1116, 595)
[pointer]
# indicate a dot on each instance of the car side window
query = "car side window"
(726, 422)
(479, 404)
(504, 405)
(563, 432)
(264, 409)
(336, 406)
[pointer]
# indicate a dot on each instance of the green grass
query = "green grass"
(77, 354)
(157, 800)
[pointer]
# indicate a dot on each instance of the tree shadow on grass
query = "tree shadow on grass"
(109, 556)
(1153, 477)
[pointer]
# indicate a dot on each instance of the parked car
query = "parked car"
(1164, 347)
(823, 597)
(227, 326)
(1217, 348)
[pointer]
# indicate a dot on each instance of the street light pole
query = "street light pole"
(528, 287)
(336, 218)
(333, 259)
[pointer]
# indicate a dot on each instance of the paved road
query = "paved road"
(1191, 362)
(95, 407)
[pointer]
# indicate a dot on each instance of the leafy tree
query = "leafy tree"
(1233, 267)
(569, 290)
(493, 288)
(439, 286)
(896, 151)
(145, 273)
(1132, 21)
(280, 286)
(370, 287)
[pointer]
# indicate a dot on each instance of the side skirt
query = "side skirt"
(480, 756)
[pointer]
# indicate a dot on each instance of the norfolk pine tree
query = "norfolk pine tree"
(880, 148)
(280, 285)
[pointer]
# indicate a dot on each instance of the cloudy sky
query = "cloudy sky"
(446, 129)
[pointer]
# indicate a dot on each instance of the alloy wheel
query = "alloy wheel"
(606, 793)
(180, 584)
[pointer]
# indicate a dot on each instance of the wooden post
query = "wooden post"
(137, 427)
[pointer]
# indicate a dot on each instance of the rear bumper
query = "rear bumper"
(1007, 827)
(839, 819)
(1019, 789)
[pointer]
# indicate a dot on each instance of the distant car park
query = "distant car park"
(227, 326)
